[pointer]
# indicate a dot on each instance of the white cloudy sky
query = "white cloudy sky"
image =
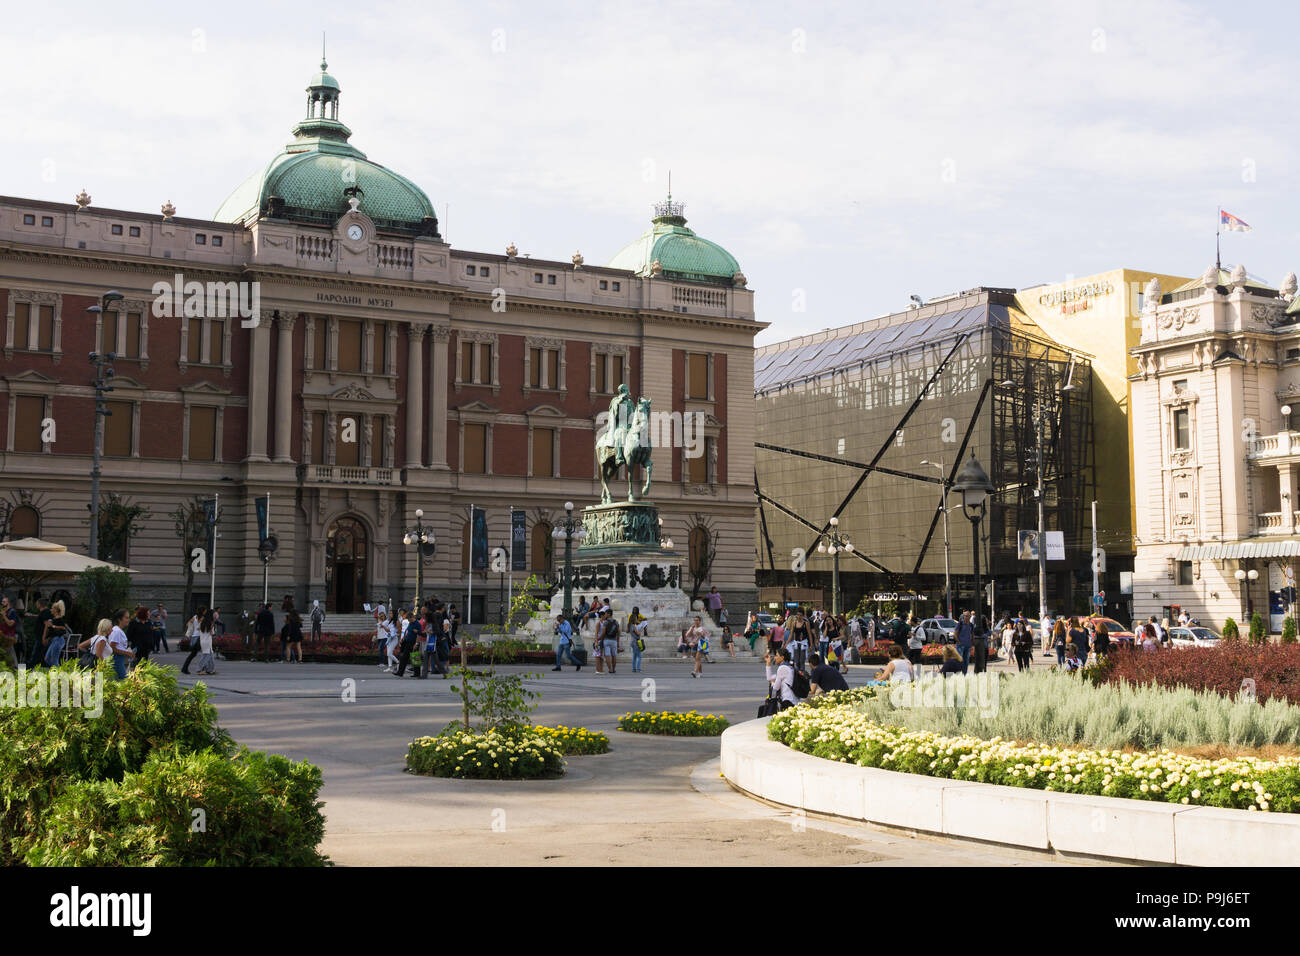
(859, 152)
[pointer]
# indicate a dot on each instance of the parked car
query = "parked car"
(1194, 637)
(939, 630)
(1116, 631)
(765, 622)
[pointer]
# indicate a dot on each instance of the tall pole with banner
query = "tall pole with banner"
(469, 600)
(212, 563)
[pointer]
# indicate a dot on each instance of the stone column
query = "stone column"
(1286, 488)
(438, 398)
(284, 389)
(414, 393)
(259, 383)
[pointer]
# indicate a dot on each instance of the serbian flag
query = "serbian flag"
(1231, 223)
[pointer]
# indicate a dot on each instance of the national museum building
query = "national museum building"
(1216, 393)
(384, 371)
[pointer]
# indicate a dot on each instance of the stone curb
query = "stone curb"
(1104, 827)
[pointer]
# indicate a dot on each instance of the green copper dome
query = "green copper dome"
(313, 178)
(681, 254)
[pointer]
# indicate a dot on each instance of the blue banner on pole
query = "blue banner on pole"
(478, 540)
(210, 515)
(260, 503)
(518, 541)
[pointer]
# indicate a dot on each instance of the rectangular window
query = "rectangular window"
(484, 363)
(379, 362)
(697, 468)
(48, 223)
(200, 239)
(133, 334)
(604, 285)
(617, 286)
(108, 333)
(45, 328)
(535, 368)
(1182, 429)
(537, 277)
(30, 220)
(350, 339)
(319, 339)
(216, 342)
(475, 462)
(483, 271)
(117, 229)
(602, 378)
(469, 270)
(347, 444)
(193, 348)
(552, 368)
(28, 414)
(134, 232)
(318, 438)
(467, 361)
(22, 322)
(617, 377)
(550, 280)
(697, 375)
(117, 430)
(203, 433)
(1184, 572)
(543, 446)
(377, 442)
(218, 240)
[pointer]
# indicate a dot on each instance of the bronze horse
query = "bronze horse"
(635, 445)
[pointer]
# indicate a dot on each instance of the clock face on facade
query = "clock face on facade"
(355, 232)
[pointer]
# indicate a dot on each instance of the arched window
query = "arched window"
(543, 556)
(25, 522)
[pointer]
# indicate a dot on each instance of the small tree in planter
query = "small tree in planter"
(1257, 634)
(1230, 632)
(1289, 631)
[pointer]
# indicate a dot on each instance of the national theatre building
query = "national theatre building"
(317, 340)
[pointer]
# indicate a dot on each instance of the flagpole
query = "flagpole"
(1218, 260)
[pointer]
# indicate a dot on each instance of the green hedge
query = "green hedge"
(123, 777)
(193, 809)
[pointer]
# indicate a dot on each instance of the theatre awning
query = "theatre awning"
(1231, 551)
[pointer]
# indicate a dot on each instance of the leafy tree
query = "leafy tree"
(100, 592)
(500, 701)
(191, 522)
(1230, 632)
(702, 551)
(119, 522)
(1289, 631)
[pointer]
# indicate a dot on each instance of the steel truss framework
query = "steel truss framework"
(949, 391)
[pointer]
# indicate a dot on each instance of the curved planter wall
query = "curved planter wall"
(1109, 827)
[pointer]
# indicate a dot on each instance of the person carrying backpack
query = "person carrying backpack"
(609, 641)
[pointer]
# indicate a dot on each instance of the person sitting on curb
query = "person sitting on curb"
(824, 677)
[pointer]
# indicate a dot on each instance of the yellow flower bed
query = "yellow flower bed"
(689, 724)
(574, 741)
(842, 733)
(494, 755)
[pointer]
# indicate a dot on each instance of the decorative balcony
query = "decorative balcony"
(1281, 445)
(1271, 522)
(351, 475)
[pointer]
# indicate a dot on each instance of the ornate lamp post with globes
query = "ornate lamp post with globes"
(835, 542)
(568, 530)
(974, 486)
(422, 536)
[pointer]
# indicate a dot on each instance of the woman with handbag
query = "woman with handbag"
(95, 649)
(192, 636)
(780, 681)
(636, 630)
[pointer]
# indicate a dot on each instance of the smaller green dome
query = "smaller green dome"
(681, 253)
(323, 80)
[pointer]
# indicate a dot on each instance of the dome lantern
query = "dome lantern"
(672, 250)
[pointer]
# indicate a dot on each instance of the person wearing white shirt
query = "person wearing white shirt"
(781, 680)
(117, 641)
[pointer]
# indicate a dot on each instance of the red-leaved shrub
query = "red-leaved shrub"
(1275, 668)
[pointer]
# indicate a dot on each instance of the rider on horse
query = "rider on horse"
(621, 408)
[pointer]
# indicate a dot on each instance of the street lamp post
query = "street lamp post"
(103, 362)
(568, 530)
(943, 506)
(1247, 579)
(974, 487)
(835, 543)
(426, 542)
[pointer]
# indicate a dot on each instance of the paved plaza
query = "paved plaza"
(650, 801)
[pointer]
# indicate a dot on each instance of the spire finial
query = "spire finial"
(670, 185)
(323, 65)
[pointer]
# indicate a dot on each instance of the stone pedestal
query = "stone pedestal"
(621, 560)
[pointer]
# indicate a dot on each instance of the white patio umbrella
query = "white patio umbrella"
(32, 560)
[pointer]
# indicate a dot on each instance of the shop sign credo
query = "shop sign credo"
(1077, 298)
